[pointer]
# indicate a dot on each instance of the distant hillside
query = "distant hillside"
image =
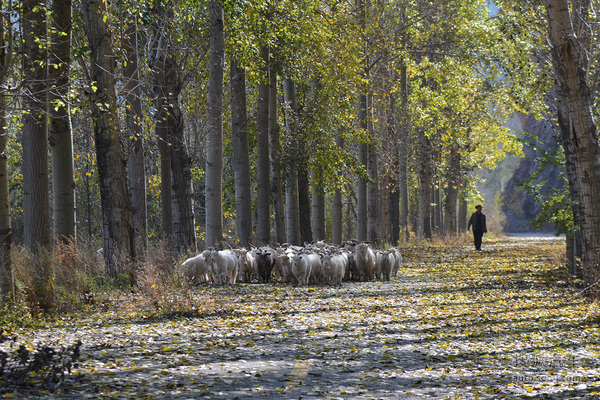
(500, 186)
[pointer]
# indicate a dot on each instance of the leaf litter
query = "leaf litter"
(453, 324)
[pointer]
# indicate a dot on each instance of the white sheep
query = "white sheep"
(397, 261)
(365, 261)
(195, 269)
(224, 266)
(334, 266)
(286, 259)
(301, 268)
(387, 263)
(248, 265)
(316, 269)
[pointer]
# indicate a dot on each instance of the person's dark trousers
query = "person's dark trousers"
(477, 236)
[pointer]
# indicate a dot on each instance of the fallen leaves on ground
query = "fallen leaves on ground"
(454, 323)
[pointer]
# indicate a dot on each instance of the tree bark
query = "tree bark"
(61, 139)
(426, 178)
(182, 192)
(337, 212)
(214, 148)
(116, 211)
(304, 203)
(403, 153)
(570, 66)
(35, 128)
(573, 241)
(263, 188)
(36, 202)
(241, 157)
(7, 280)
(134, 115)
(160, 94)
(292, 190)
(363, 158)
(373, 204)
(318, 206)
(462, 215)
(275, 155)
(451, 204)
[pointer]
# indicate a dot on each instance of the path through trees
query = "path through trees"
(455, 322)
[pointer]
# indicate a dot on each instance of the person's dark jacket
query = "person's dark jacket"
(473, 222)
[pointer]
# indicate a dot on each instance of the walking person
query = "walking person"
(477, 221)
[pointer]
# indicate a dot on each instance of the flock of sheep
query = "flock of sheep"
(317, 263)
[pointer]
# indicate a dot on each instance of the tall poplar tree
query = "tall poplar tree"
(36, 204)
(134, 115)
(61, 138)
(7, 281)
(241, 158)
(214, 147)
(118, 237)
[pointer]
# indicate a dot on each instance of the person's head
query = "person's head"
(478, 208)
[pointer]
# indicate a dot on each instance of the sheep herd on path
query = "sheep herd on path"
(318, 263)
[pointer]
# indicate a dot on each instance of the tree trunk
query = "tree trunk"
(36, 204)
(373, 196)
(363, 158)
(116, 211)
(61, 140)
(304, 203)
(337, 212)
(35, 150)
(393, 220)
(426, 178)
(134, 116)
(292, 190)
(241, 157)
(437, 208)
(574, 244)
(292, 207)
(263, 188)
(403, 153)
(7, 281)
(318, 206)
(462, 215)
(159, 89)
(275, 155)
(451, 204)
(182, 192)
(214, 147)
(572, 87)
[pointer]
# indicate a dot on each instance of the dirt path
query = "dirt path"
(454, 324)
